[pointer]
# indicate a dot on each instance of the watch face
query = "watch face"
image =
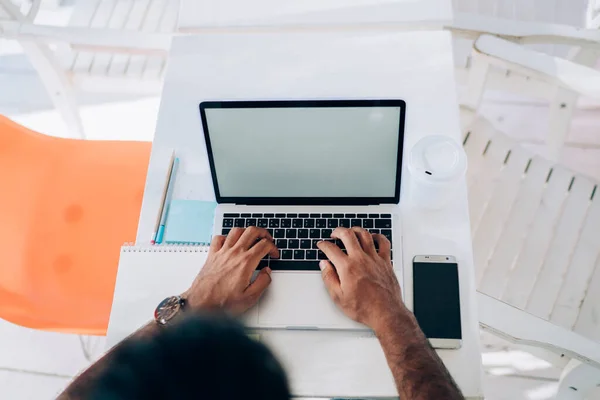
(167, 309)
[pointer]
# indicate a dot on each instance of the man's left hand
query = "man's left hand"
(224, 281)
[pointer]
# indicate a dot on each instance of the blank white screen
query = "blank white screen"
(305, 152)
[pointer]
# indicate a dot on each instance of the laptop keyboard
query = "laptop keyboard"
(296, 235)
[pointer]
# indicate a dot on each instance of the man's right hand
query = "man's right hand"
(362, 283)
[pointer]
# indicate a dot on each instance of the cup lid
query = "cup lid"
(437, 158)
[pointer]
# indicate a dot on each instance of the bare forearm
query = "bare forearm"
(417, 369)
(82, 386)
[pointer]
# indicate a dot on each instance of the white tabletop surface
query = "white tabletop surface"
(416, 67)
(202, 15)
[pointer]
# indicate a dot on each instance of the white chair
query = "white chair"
(111, 46)
(516, 20)
(522, 20)
(536, 228)
(554, 27)
(562, 100)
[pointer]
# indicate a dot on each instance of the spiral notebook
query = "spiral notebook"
(147, 275)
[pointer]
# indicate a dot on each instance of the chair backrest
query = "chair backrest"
(536, 231)
(150, 16)
(66, 208)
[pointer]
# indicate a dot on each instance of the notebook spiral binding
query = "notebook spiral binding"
(165, 248)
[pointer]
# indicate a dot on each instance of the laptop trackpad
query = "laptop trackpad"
(300, 300)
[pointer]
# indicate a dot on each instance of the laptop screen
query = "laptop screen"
(305, 152)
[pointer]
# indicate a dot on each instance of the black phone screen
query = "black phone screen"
(436, 299)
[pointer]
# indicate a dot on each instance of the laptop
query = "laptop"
(300, 169)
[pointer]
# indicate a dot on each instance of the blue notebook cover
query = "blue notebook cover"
(190, 221)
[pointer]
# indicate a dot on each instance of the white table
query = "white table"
(205, 15)
(416, 67)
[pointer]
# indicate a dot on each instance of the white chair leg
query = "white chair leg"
(92, 347)
(577, 381)
(57, 85)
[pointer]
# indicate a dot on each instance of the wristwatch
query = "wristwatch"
(168, 309)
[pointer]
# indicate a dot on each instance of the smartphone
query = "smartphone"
(436, 300)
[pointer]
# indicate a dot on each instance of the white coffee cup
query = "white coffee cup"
(436, 165)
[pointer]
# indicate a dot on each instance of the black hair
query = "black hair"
(201, 357)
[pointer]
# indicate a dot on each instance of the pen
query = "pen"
(162, 200)
(165, 209)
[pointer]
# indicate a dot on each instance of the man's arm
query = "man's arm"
(363, 284)
(417, 369)
(222, 284)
